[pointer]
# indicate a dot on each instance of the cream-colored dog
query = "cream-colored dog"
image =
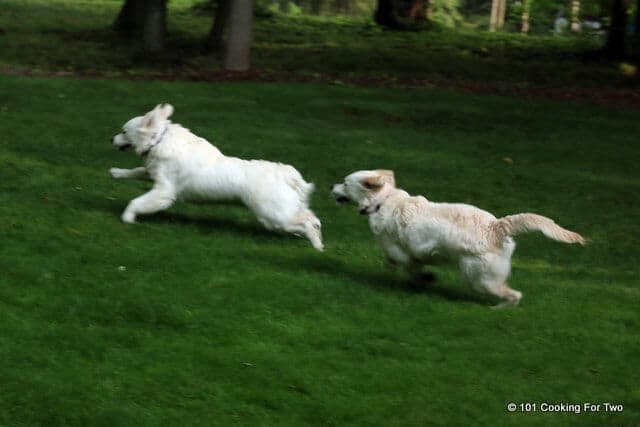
(414, 231)
(186, 167)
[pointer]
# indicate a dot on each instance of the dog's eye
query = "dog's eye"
(124, 132)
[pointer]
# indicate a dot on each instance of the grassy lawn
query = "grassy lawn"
(199, 317)
(75, 36)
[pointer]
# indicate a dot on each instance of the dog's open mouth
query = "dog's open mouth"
(342, 199)
(124, 147)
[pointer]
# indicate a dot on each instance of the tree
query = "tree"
(155, 26)
(498, 12)
(502, 11)
(400, 14)
(526, 10)
(145, 22)
(215, 38)
(237, 57)
(128, 18)
(575, 19)
(615, 46)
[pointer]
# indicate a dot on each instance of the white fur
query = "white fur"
(414, 231)
(186, 167)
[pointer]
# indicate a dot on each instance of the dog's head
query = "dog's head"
(140, 132)
(364, 188)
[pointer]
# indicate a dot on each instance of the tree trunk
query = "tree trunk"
(417, 11)
(385, 16)
(526, 8)
(616, 47)
(128, 22)
(155, 26)
(238, 53)
(502, 10)
(215, 38)
(575, 18)
(493, 21)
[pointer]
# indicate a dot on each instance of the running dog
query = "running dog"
(414, 231)
(186, 167)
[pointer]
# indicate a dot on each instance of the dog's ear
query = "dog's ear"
(150, 120)
(377, 181)
(164, 110)
(388, 176)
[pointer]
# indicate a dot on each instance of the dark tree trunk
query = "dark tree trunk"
(637, 20)
(400, 15)
(237, 57)
(145, 22)
(155, 26)
(616, 47)
(385, 15)
(129, 18)
(418, 11)
(215, 40)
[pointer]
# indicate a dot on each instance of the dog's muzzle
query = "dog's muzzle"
(340, 198)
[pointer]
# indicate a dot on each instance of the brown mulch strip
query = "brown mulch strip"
(595, 95)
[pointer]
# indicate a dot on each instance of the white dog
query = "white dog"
(414, 231)
(185, 167)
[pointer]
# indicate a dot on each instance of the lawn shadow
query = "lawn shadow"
(208, 222)
(380, 279)
(211, 223)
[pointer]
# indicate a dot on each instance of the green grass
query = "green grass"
(215, 321)
(74, 36)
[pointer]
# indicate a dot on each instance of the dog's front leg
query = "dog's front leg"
(156, 200)
(136, 173)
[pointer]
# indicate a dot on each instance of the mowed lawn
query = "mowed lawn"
(198, 316)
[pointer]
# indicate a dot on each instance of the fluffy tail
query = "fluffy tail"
(513, 225)
(299, 185)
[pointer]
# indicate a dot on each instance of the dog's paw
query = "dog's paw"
(128, 218)
(116, 172)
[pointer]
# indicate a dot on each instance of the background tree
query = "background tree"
(155, 26)
(237, 57)
(400, 14)
(616, 45)
(131, 13)
(526, 9)
(145, 22)
(498, 12)
(575, 15)
(215, 39)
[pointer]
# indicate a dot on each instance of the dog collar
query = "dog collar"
(375, 207)
(156, 140)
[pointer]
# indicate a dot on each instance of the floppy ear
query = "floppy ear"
(388, 176)
(378, 180)
(150, 119)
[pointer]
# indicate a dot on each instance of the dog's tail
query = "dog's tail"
(513, 225)
(299, 185)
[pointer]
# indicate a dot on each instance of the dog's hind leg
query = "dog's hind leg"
(511, 296)
(154, 201)
(135, 173)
